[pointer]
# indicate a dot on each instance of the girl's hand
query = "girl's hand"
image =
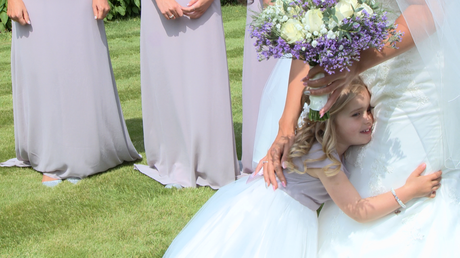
(196, 8)
(17, 11)
(423, 186)
(335, 83)
(273, 162)
(100, 9)
(170, 9)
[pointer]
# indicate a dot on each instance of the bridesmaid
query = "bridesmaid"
(255, 75)
(67, 116)
(188, 127)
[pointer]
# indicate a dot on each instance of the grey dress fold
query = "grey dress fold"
(187, 116)
(255, 75)
(67, 115)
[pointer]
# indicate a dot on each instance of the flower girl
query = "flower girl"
(245, 218)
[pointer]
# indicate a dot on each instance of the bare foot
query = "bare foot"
(47, 178)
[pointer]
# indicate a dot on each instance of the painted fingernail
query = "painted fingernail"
(274, 188)
(283, 183)
(266, 185)
(307, 92)
(283, 165)
(28, 22)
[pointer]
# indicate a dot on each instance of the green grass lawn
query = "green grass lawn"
(120, 213)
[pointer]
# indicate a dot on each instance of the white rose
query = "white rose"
(354, 3)
(314, 19)
(343, 10)
(290, 31)
(366, 8)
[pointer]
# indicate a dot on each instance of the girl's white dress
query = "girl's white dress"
(246, 219)
(409, 129)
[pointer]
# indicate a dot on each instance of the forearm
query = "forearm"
(293, 105)
(372, 208)
(372, 57)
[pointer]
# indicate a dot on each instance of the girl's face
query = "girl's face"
(354, 123)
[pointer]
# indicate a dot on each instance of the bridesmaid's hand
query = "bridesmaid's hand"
(17, 11)
(267, 3)
(170, 9)
(100, 9)
(273, 162)
(335, 83)
(196, 8)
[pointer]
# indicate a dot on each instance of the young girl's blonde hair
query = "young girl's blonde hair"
(323, 132)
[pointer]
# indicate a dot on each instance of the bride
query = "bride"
(416, 97)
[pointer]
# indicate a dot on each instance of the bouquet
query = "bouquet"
(329, 33)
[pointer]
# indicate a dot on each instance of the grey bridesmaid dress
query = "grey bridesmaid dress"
(186, 106)
(67, 115)
(255, 75)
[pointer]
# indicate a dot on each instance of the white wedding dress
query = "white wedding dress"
(270, 109)
(408, 131)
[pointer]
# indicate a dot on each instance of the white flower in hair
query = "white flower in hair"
(303, 115)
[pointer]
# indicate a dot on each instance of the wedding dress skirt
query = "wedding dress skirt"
(271, 108)
(248, 220)
(406, 133)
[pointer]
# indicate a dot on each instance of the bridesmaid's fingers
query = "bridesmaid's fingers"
(26, 18)
(191, 3)
(100, 9)
(17, 11)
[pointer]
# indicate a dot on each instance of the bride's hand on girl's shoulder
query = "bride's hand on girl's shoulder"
(273, 162)
(170, 9)
(100, 9)
(196, 8)
(423, 186)
(17, 11)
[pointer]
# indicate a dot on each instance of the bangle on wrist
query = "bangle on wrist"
(397, 199)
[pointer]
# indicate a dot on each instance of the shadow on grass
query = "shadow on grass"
(136, 132)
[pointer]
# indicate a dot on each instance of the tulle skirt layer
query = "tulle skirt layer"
(249, 220)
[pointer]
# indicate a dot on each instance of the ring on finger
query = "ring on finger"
(171, 16)
(263, 162)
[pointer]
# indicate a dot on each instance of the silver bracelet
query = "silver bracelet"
(397, 199)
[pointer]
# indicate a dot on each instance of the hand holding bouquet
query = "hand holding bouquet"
(329, 33)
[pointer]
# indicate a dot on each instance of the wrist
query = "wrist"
(405, 193)
(287, 127)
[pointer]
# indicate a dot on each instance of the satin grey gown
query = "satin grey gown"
(255, 75)
(67, 115)
(186, 108)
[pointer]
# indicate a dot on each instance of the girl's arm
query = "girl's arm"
(279, 151)
(349, 201)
